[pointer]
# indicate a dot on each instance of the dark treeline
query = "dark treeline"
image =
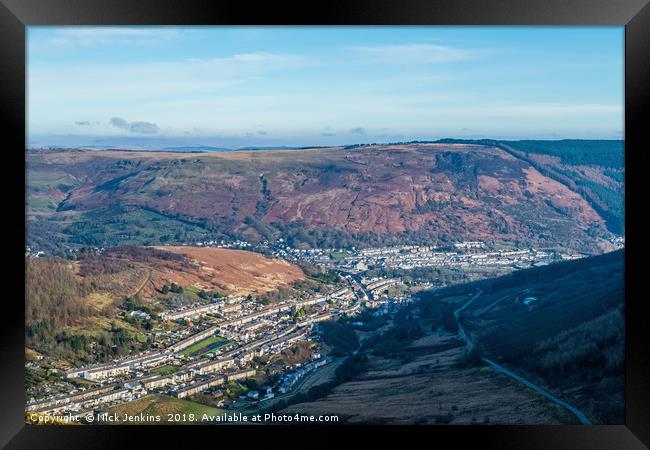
(394, 342)
(340, 336)
(300, 235)
(608, 202)
(597, 345)
(608, 153)
(97, 265)
(144, 254)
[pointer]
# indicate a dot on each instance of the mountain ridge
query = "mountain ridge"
(439, 192)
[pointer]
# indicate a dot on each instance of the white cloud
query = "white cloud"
(101, 36)
(413, 53)
(253, 60)
(138, 127)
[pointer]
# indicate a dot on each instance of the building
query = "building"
(321, 306)
(105, 372)
(242, 374)
(212, 366)
(180, 345)
(157, 381)
(199, 387)
(192, 313)
(44, 405)
(75, 373)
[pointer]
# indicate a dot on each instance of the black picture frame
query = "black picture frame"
(15, 15)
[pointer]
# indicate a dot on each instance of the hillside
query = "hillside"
(562, 324)
(594, 169)
(70, 305)
(233, 271)
(129, 271)
(313, 197)
(569, 340)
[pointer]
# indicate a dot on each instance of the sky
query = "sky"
(227, 86)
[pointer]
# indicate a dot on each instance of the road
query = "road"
(499, 368)
(461, 330)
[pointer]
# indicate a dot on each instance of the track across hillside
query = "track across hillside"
(499, 368)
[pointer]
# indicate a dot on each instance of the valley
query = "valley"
(453, 282)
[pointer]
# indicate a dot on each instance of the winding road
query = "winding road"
(461, 332)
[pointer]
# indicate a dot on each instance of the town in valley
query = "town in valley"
(222, 346)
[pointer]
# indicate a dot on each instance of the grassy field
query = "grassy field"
(339, 255)
(202, 344)
(41, 203)
(100, 325)
(165, 370)
(44, 180)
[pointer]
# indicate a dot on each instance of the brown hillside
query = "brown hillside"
(127, 271)
(438, 191)
(238, 271)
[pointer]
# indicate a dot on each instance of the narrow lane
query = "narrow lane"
(499, 368)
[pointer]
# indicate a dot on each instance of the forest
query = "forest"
(54, 297)
(608, 153)
(56, 306)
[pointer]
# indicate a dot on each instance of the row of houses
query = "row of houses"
(183, 344)
(104, 396)
(268, 311)
(227, 305)
(315, 319)
(380, 284)
(216, 381)
(205, 367)
(283, 340)
(288, 380)
(158, 381)
(342, 294)
(95, 373)
(192, 313)
(64, 400)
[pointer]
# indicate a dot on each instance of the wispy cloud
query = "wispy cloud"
(358, 130)
(264, 60)
(413, 53)
(104, 36)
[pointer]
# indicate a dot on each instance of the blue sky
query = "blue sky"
(256, 86)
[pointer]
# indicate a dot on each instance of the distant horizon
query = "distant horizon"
(215, 148)
(250, 86)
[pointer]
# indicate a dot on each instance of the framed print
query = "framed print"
(377, 218)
